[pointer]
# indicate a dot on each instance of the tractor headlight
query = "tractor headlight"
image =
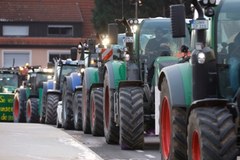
(127, 57)
(93, 62)
(82, 70)
(205, 2)
(212, 2)
(49, 77)
(5, 90)
(201, 58)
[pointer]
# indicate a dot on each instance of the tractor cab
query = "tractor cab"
(8, 81)
(155, 39)
(65, 69)
(35, 80)
(227, 47)
(156, 47)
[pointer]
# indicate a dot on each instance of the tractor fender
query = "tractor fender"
(78, 88)
(96, 85)
(75, 79)
(135, 83)
(179, 80)
(53, 91)
(32, 96)
(116, 72)
(50, 84)
(91, 76)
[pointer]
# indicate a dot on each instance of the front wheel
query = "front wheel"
(86, 126)
(211, 134)
(77, 110)
(172, 125)
(51, 108)
(131, 118)
(111, 131)
(67, 112)
(32, 110)
(96, 112)
(19, 106)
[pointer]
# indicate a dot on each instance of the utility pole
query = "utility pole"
(136, 9)
(136, 3)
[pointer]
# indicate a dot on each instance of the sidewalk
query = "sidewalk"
(40, 142)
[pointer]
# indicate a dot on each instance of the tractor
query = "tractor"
(92, 90)
(28, 99)
(10, 80)
(70, 113)
(130, 92)
(54, 89)
(200, 100)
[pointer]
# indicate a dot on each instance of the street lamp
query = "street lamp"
(136, 3)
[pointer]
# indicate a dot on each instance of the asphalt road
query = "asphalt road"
(24, 141)
(21, 141)
(114, 152)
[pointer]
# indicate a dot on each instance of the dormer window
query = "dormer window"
(9, 30)
(60, 30)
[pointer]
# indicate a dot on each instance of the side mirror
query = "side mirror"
(113, 33)
(177, 13)
(74, 53)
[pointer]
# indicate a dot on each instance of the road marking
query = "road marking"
(150, 156)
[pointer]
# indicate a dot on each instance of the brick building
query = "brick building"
(35, 31)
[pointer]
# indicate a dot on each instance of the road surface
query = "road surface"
(114, 152)
(24, 141)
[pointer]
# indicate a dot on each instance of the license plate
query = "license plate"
(199, 24)
(128, 39)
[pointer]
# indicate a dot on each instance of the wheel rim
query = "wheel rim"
(106, 106)
(195, 146)
(165, 128)
(93, 113)
(16, 108)
(29, 110)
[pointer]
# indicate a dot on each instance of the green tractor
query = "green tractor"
(200, 100)
(10, 80)
(92, 90)
(28, 99)
(130, 92)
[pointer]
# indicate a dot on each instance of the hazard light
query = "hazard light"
(105, 40)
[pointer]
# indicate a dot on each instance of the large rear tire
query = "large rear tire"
(172, 125)
(51, 108)
(67, 112)
(211, 134)
(96, 112)
(131, 118)
(19, 106)
(77, 110)
(111, 131)
(32, 113)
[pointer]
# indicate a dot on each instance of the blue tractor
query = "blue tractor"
(53, 90)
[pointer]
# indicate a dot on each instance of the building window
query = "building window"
(13, 58)
(60, 30)
(58, 55)
(15, 30)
